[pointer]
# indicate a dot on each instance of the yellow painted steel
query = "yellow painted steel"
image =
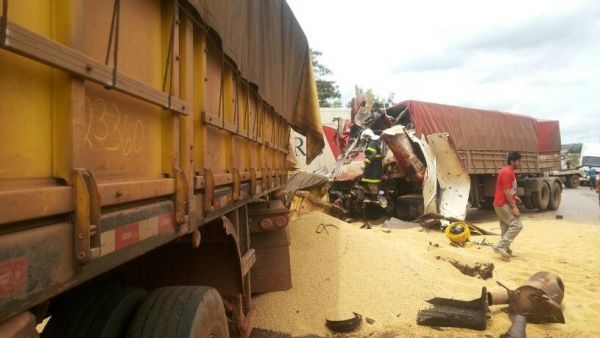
(241, 144)
(186, 76)
(75, 146)
(170, 84)
(25, 124)
(60, 122)
(199, 56)
(227, 115)
(65, 122)
(36, 16)
(143, 33)
(213, 146)
(25, 150)
(126, 138)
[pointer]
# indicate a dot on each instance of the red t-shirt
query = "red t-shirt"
(506, 180)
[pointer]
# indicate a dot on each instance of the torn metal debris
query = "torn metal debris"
(539, 299)
(344, 325)
(456, 313)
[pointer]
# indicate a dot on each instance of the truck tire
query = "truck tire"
(567, 181)
(180, 311)
(527, 202)
(541, 198)
(572, 181)
(555, 194)
(113, 317)
(95, 312)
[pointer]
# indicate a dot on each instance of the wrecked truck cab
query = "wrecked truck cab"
(402, 182)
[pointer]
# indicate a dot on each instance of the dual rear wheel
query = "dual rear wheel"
(107, 311)
(100, 311)
(548, 196)
(555, 194)
(180, 311)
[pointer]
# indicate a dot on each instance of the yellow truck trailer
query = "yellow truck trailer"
(142, 142)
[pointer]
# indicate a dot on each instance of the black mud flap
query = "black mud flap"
(456, 313)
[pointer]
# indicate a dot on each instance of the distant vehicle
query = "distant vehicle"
(590, 155)
(548, 132)
(589, 158)
(586, 180)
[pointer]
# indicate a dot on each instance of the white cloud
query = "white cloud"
(537, 58)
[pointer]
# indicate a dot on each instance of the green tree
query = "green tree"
(381, 102)
(328, 91)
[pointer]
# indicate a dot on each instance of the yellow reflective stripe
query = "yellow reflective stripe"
(377, 154)
(371, 180)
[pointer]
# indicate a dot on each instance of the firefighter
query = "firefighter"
(373, 164)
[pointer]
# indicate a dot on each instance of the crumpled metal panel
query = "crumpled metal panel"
(430, 178)
(452, 177)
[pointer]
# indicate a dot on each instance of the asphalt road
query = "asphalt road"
(578, 205)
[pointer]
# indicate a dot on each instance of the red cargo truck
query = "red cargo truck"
(443, 158)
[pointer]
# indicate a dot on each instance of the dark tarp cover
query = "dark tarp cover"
(474, 129)
(267, 44)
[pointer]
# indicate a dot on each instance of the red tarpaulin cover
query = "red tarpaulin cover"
(474, 129)
(548, 135)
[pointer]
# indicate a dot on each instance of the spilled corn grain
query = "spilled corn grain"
(388, 276)
(383, 276)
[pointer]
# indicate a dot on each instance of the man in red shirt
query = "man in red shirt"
(505, 204)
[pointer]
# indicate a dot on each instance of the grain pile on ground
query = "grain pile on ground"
(388, 276)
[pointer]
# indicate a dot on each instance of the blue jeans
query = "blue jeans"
(510, 226)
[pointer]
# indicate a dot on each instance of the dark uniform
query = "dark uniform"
(373, 164)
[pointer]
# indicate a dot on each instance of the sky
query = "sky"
(535, 58)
